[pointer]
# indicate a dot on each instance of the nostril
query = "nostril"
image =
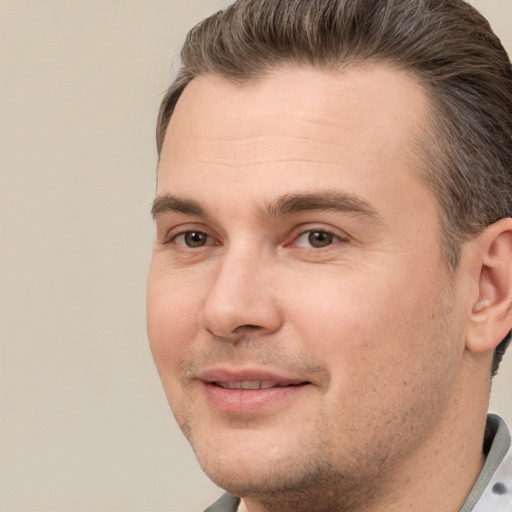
(247, 327)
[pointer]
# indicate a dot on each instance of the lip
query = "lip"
(250, 374)
(222, 390)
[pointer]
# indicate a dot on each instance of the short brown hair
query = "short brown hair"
(446, 44)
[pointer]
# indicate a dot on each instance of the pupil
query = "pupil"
(195, 239)
(320, 239)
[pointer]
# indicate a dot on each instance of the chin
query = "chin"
(295, 484)
(258, 466)
(251, 481)
(243, 465)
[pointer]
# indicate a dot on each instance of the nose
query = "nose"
(241, 300)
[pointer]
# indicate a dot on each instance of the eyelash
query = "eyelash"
(296, 237)
(173, 238)
(324, 231)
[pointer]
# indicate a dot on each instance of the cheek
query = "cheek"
(366, 325)
(338, 312)
(171, 323)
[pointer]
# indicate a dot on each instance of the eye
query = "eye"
(316, 239)
(193, 239)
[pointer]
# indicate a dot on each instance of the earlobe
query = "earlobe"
(491, 313)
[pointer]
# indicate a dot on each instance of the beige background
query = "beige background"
(84, 423)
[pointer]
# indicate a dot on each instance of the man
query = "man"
(331, 285)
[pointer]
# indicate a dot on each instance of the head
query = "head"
(447, 45)
(332, 227)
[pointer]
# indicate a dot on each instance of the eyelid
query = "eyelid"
(340, 236)
(208, 242)
(173, 233)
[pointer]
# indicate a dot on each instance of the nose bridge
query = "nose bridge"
(239, 294)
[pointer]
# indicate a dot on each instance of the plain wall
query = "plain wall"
(84, 423)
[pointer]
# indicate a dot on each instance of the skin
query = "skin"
(388, 405)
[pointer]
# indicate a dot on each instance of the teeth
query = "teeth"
(265, 384)
(249, 384)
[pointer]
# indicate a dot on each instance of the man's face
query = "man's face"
(300, 314)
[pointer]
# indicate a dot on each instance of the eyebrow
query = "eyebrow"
(288, 204)
(169, 203)
(326, 200)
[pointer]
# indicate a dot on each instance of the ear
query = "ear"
(491, 314)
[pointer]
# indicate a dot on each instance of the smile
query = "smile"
(237, 396)
(253, 384)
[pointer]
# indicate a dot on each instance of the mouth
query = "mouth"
(250, 391)
(255, 384)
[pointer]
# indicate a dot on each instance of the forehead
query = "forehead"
(373, 96)
(294, 128)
